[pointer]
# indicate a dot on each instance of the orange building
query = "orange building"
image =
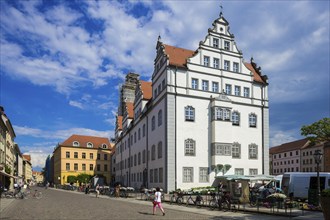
(81, 154)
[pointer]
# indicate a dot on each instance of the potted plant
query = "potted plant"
(325, 203)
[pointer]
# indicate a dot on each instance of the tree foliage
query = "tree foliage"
(318, 131)
(84, 178)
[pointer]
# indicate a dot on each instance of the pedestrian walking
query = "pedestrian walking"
(158, 201)
(117, 189)
(97, 190)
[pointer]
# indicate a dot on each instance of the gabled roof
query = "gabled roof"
(178, 56)
(84, 139)
(120, 122)
(130, 109)
(146, 88)
(256, 74)
(294, 145)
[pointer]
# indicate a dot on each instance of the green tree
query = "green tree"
(318, 131)
(72, 179)
(84, 178)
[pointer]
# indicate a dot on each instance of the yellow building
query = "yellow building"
(81, 154)
(27, 168)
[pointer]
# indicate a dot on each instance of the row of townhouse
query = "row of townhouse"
(204, 114)
(15, 167)
(297, 156)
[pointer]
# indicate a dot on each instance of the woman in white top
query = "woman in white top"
(158, 201)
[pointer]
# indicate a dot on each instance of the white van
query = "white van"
(297, 184)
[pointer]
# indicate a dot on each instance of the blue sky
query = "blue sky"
(62, 61)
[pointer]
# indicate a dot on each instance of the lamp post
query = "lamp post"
(318, 157)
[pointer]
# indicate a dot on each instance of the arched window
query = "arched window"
(104, 146)
(90, 145)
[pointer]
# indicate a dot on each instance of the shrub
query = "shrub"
(325, 193)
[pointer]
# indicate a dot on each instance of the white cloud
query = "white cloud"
(76, 104)
(279, 137)
(60, 135)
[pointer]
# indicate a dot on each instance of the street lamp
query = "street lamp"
(318, 157)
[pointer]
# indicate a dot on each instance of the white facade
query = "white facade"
(208, 116)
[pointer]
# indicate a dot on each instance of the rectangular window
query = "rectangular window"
(160, 175)
(239, 171)
(216, 63)
(98, 156)
(83, 167)
(67, 154)
(252, 120)
(205, 85)
(253, 171)
(237, 90)
(144, 130)
(235, 67)
(206, 61)
(189, 149)
(226, 65)
(67, 166)
(216, 42)
(105, 156)
(236, 150)
(188, 174)
(203, 175)
(194, 83)
(215, 87)
(76, 166)
(91, 156)
(75, 154)
(189, 113)
(228, 89)
(223, 149)
(83, 155)
(160, 150)
(151, 176)
(227, 45)
(105, 167)
(246, 92)
(98, 167)
(253, 151)
(91, 167)
(155, 175)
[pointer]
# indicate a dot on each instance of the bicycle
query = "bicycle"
(37, 194)
(199, 201)
(222, 201)
(177, 197)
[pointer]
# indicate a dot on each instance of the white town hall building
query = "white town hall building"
(204, 114)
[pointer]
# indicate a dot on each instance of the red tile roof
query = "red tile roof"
(120, 122)
(146, 88)
(294, 145)
(178, 56)
(257, 77)
(84, 139)
(27, 157)
(130, 109)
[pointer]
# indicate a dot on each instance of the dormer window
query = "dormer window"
(76, 144)
(104, 146)
(89, 145)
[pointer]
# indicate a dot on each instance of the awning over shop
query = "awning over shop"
(6, 174)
